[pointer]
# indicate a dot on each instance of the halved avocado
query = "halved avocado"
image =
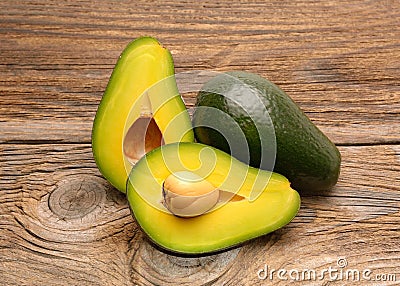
(238, 216)
(141, 109)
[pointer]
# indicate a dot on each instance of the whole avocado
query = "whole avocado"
(304, 154)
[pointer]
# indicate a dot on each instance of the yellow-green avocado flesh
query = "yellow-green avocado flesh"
(229, 223)
(141, 82)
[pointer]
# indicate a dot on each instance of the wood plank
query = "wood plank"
(339, 61)
(61, 223)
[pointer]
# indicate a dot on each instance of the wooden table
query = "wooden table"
(61, 223)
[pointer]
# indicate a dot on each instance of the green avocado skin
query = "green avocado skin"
(304, 154)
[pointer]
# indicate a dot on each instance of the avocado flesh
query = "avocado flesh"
(229, 223)
(142, 85)
(303, 153)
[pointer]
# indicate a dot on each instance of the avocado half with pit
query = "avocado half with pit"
(140, 110)
(192, 198)
(308, 158)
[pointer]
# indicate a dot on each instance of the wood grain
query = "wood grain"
(339, 61)
(61, 223)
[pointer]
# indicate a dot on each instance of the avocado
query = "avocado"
(304, 154)
(140, 110)
(192, 198)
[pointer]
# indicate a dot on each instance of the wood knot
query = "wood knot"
(76, 197)
(161, 268)
(81, 208)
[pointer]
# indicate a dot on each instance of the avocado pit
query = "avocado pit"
(186, 194)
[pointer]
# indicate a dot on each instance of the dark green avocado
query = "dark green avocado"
(268, 118)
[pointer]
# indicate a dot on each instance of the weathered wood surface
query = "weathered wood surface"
(62, 224)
